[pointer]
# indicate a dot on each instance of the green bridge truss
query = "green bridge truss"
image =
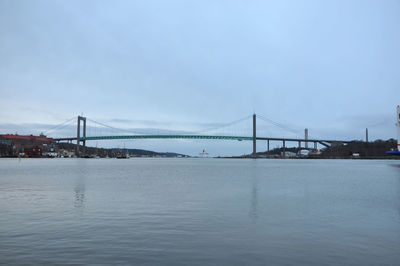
(239, 138)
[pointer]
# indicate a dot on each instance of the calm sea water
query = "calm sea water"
(199, 212)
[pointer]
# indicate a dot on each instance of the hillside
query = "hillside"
(102, 152)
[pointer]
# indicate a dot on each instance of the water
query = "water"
(199, 212)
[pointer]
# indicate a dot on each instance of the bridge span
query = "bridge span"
(324, 142)
(239, 138)
(254, 138)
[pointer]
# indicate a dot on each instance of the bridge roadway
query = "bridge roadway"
(239, 138)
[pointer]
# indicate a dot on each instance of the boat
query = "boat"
(394, 151)
(121, 156)
(203, 154)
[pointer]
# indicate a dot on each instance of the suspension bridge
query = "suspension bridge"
(81, 136)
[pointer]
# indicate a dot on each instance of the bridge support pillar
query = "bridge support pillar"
(299, 144)
(306, 138)
(84, 135)
(315, 145)
(254, 137)
(78, 135)
(268, 145)
(284, 149)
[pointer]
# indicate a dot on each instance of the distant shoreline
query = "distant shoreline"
(222, 157)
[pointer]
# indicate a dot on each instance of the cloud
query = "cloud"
(158, 125)
(137, 122)
(194, 66)
(28, 128)
(368, 120)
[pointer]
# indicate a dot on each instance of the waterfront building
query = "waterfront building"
(29, 145)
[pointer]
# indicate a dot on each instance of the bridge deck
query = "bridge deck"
(239, 138)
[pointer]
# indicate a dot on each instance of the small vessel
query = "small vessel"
(121, 156)
(203, 154)
(394, 151)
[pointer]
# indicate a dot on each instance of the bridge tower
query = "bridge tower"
(306, 138)
(398, 127)
(78, 135)
(254, 137)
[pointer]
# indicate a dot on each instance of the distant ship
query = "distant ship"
(397, 152)
(121, 156)
(203, 154)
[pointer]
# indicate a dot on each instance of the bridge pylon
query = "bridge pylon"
(78, 135)
(254, 137)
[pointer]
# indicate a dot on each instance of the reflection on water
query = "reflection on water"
(199, 212)
(79, 190)
(254, 199)
(397, 167)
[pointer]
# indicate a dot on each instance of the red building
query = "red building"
(30, 145)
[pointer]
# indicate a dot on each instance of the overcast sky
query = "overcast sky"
(330, 66)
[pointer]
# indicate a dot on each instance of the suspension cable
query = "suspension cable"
(59, 125)
(224, 125)
(64, 126)
(277, 124)
(120, 129)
